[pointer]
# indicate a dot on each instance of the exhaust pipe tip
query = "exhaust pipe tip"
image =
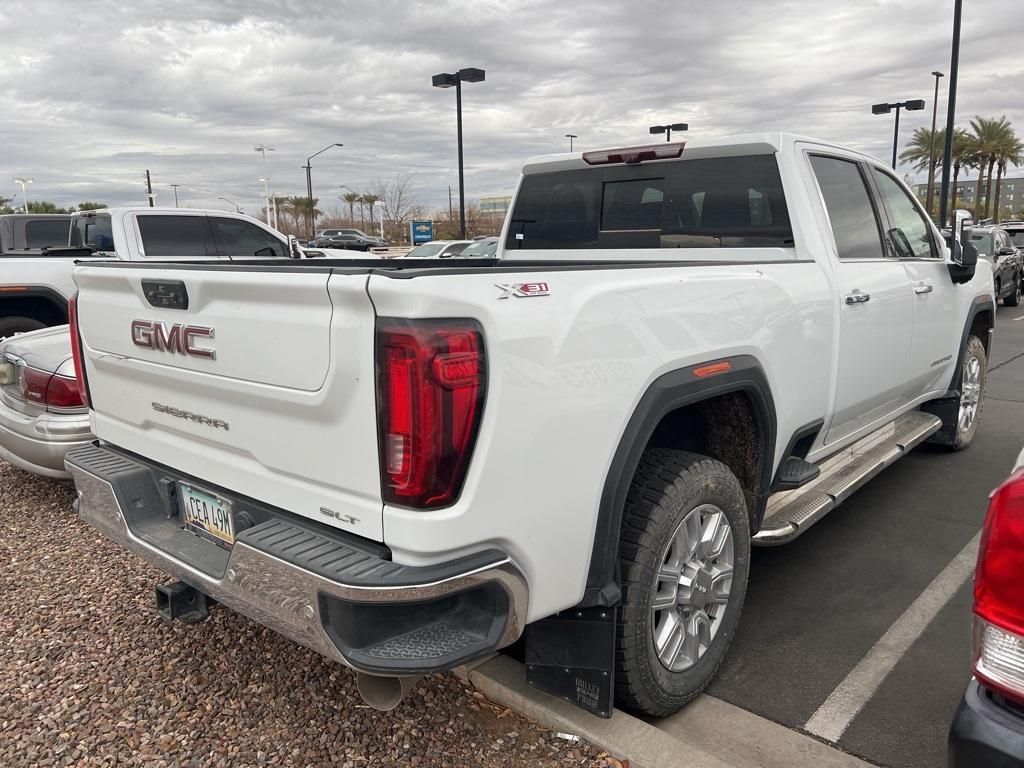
(384, 693)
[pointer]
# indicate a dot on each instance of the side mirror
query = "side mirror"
(293, 247)
(964, 256)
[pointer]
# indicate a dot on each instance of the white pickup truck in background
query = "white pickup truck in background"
(36, 284)
(677, 352)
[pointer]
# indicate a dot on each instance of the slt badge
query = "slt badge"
(523, 290)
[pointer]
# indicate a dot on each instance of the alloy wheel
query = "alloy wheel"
(692, 587)
(970, 393)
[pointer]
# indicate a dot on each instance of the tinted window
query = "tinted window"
(46, 232)
(425, 250)
(725, 202)
(911, 227)
(481, 249)
(93, 232)
(707, 203)
(173, 237)
(849, 208)
(983, 242)
(453, 250)
(242, 238)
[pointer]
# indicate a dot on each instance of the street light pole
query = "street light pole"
(667, 129)
(24, 193)
(309, 187)
(570, 137)
(263, 149)
(175, 186)
(947, 155)
(931, 145)
(447, 80)
(911, 105)
(238, 208)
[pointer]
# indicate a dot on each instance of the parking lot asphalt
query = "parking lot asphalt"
(817, 607)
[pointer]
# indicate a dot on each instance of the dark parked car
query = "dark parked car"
(988, 728)
(348, 242)
(993, 243)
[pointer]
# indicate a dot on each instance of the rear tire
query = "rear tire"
(1014, 298)
(685, 558)
(18, 324)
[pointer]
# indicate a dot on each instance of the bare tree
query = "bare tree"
(398, 204)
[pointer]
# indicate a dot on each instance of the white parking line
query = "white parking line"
(835, 715)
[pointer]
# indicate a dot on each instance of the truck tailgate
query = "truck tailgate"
(248, 388)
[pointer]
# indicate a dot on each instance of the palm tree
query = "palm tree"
(305, 208)
(964, 150)
(371, 200)
(924, 152)
(988, 133)
(1009, 151)
(351, 198)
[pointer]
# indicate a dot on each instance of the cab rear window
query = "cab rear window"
(707, 203)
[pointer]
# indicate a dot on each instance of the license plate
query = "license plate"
(207, 514)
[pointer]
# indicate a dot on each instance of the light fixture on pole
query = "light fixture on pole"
(456, 79)
(263, 149)
(931, 144)
(238, 208)
(175, 186)
(309, 187)
(884, 109)
(570, 137)
(23, 180)
(667, 129)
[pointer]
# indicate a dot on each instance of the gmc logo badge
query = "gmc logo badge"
(175, 338)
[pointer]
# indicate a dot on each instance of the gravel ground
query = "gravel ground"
(89, 675)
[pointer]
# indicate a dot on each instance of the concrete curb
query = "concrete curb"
(709, 733)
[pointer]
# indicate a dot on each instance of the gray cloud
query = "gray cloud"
(91, 95)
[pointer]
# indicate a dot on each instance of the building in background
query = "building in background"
(1011, 193)
(495, 206)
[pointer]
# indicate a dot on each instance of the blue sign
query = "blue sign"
(422, 231)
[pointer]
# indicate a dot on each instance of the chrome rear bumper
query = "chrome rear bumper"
(302, 604)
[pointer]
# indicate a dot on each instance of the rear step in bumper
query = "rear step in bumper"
(317, 589)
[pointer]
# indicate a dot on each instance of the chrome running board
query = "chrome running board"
(790, 513)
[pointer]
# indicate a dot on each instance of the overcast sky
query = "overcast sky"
(92, 94)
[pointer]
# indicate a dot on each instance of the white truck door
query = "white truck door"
(937, 318)
(876, 311)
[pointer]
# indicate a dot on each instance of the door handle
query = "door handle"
(857, 297)
(924, 288)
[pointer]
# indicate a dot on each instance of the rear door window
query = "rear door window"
(46, 232)
(93, 231)
(175, 237)
(850, 210)
(237, 238)
(705, 203)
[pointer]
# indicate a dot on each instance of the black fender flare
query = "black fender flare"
(669, 392)
(982, 303)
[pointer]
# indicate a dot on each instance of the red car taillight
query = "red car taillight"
(430, 394)
(49, 389)
(999, 593)
(76, 350)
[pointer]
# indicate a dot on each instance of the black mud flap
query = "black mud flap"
(946, 408)
(571, 655)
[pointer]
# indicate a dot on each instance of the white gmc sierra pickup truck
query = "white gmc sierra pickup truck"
(677, 352)
(35, 282)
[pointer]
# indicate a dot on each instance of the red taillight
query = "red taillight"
(999, 592)
(76, 350)
(49, 389)
(633, 155)
(430, 396)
